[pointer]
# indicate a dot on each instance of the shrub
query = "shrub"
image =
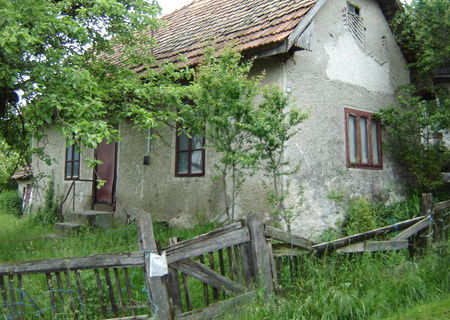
(11, 203)
(48, 214)
(360, 217)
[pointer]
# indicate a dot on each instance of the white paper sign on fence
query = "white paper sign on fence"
(157, 265)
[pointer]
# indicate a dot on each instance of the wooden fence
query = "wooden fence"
(208, 275)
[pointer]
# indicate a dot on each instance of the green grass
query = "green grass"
(368, 286)
(435, 310)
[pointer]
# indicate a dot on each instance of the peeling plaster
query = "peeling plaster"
(349, 63)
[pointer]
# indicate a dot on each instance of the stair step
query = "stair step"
(101, 219)
(64, 228)
(90, 213)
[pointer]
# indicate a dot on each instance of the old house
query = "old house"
(339, 61)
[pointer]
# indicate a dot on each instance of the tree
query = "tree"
(72, 63)
(423, 111)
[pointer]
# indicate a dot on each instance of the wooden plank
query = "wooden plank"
(205, 236)
(441, 207)
(441, 216)
(273, 268)
(205, 286)
(342, 242)
(119, 288)
(21, 300)
(69, 286)
(284, 249)
(155, 285)
(208, 276)
(128, 287)
(187, 295)
(373, 246)
(422, 224)
(174, 285)
(287, 237)
(212, 266)
(90, 262)
(12, 295)
(260, 255)
(60, 289)
(230, 262)
(80, 287)
(51, 292)
(219, 309)
(208, 245)
(101, 292)
(246, 254)
(112, 299)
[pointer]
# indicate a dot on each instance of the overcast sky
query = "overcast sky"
(170, 5)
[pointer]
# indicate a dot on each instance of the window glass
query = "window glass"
(197, 162)
(76, 169)
(197, 142)
(68, 169)
(69, 153)
(375, 146)
(183, 142)
(183, 162)
(352, 138)
(364, 142)
(76, 153)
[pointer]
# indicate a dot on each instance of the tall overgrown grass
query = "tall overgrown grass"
(367, 286)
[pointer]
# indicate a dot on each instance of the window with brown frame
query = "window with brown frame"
(190, 156)
(363, 140)
(72, 167)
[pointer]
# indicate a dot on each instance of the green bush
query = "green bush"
(48, 213)
(360, 217)
(10, 202)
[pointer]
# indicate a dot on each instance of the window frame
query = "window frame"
(370, 121)
(72, 177)
(189, 150)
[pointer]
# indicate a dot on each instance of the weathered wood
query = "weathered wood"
(208, 276)
(187, 295)
(441, 216)
(12, 294)
(216, 310)
(284, 249)
(60, 289)
(287, 237)
(129, 259)
(230, 262)
(21, 300)
(206, 236)
(174, 285)
(69, 286)
(205, 286)
(112, 299)
(156, 285)
(101, 292)
(80, 287)
(342, 242)
(212, 265)
(128, 287)
(373, 246)
(208, 245)
(273, 268)
(238, 265)
(246, 258)
(422, 224)
(119, 288)
(51, 293)
(260, 255)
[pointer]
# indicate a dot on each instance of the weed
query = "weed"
(11, 203)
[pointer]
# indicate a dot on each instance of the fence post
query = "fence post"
(156, 286)
(422, 239)
(260, 255)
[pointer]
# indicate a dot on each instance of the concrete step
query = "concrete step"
(67, 228)
(101, 219)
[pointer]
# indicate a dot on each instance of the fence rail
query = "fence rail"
(208, 274)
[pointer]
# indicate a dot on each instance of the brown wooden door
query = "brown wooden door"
(106, 152)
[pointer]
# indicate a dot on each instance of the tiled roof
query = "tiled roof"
(247, 24)
(23, 174)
